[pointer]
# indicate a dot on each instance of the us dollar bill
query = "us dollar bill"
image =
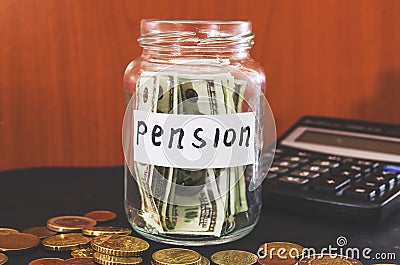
(238, 88)
(213, 207)
(200, 211)
(163, 183)
(146, 100)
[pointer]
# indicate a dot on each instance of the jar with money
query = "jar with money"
(194, 130)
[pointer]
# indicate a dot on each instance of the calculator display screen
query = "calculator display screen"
(361, 143)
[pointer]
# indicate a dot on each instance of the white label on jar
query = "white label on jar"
(194, 141)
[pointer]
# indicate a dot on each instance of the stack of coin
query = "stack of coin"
(322, 259)
(118, 249)
(178, 256)
(236, 257)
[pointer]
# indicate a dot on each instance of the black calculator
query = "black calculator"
(336, 168)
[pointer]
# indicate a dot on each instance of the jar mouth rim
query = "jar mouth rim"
(177, 33)
(198, 21)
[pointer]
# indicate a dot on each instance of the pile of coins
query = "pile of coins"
(118, 249)
(90, 244)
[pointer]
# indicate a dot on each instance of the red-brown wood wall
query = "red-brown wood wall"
(62, 62)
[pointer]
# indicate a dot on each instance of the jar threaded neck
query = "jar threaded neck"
(196, 34)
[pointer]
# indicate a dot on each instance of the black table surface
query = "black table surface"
(30, 197)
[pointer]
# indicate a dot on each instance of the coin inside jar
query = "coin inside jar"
(104, 230)
(113, 260)
(69, 223)
(176, 256)
(65, 241)
(47, 261)
(3, 259)
(101, 215)
(322, 259)
(80, 261)
(40, 232)
(237, 257)
(119, 245)
(20, 241)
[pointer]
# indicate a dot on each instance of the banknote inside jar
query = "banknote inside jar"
(219, 202)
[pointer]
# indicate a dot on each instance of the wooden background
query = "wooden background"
(62, 62)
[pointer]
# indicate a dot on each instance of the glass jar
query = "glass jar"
(193, 132)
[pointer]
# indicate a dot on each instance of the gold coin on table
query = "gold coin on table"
(18, 241)
(237, 257)
(40, 232)
(82, 252)
(322, 259)
(276, 260)
(287, 249)
(106, 230)
(176, 256)
(114, 260)
(47, 261)
(204, 261)
(101, 215)
(3, 259)
(119, 245)
(69, 223)
(79, 261)
(65, 241)
(7, 231)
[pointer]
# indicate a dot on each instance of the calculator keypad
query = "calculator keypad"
(343, 176)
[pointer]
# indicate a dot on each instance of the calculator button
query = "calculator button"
(354, 175)
(304, 154)
(279, 170)
(360, 168)
(285, 164)
(367, 163)
(326, 163)
(360, 192)
(268, 156)
(271, 175)
(297, 159)
(330, 183)
(380, 187)
(392, 168)
(305, 174)
(278, 151)
(386, 180)
(294, 180)
(391, 174)
(318, 169)
(334, 158)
